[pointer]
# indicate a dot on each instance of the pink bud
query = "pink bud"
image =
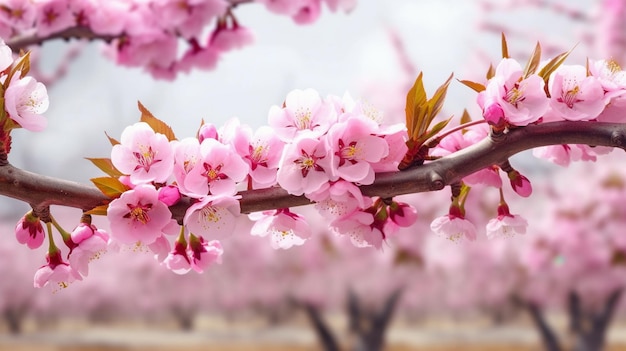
(29, 231)
(402, 214)
(169, 195)
(520, 184)
(207, 131)
(82, 232)
(494, 115)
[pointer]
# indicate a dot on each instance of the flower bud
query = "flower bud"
(29, 231)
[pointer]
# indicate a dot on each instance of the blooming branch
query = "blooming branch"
(42, 191)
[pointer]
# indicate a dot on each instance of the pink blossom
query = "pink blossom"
(203, 254)
(303, 110)
(611, 76)
(160, 247)
(402, 214)
(361, 228)
(186, 157)
(89, 243)
(506, 224)
(305, 166)
(109, 17)
(454, 226)
(53, 16)
(178, 260)
(339, 199)
(354, 148)
(224, 39)
(574, 95)
(18, 14)
(395, 136)
(56, 271)
(198, 56)
(138, 216)
(309, 12)
(212, 216)
(143, 154)
(29, 231)
(6, 56)
(522, 101)
(217, 171)
(285, 228)
(200, 13)
(25, 100)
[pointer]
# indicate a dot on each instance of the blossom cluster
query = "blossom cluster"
(147, 33)
(512, 98)
(319, 148)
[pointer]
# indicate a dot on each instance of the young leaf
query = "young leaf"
(106, 166)
(490, 72)
(505, 47)
(465, 118)
(156, 124)
(98, 210)
(111, 140)
(415, 98)
(109, 186)
(435, 129)
(477, 87)
(551, 66)
(436, 102)
(533, 62)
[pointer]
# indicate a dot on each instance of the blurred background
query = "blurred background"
(557, 287)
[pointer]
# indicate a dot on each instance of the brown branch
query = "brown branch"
(41, 191)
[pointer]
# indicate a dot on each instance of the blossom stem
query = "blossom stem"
(431, 143)
(65, 235)
(52, 247)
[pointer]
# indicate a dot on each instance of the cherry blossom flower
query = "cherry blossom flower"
(217, 170)
(454, 226)
(89, 243)
(213, 216)
(574, 95)
(203, 254)
(225, 39)
(55, 271)
(522, 100)
(361, 228)
(339, 199)
(53, 16)
(305, 166)
(18, 14)
(506, 224)
(309, 12)
(25, 100)
(169, 195)
(186, 156)
(285, 228)
(402, 214)
(303, 110)
(178, 260)
(143, 154)
(138, 216)
(611, 77)
(353, 149)
(29, 231)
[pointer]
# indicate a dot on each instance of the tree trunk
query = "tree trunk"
(369, 327)
(322, 330)
(590, 329)
(548, 337)
(14, 318)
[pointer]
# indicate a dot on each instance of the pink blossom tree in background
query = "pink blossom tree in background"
(180, 198)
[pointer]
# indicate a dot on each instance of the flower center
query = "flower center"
(515, 95)
(569, 98)
(139, 212)
(348, 152)
(307, 162)
(214, 173)
(303, 118)
(145, 158)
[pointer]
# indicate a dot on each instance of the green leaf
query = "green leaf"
(109, 186)
(106, 166)
(156, 124)
(533, 62)
(98, 210)
(477, 87)
(111, 140)
(435, 129)
(505, 47)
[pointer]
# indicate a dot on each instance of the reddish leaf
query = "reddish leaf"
(109, 186)
(106, 166)
(156, 124)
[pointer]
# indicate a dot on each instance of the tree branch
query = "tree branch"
(41, 191)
